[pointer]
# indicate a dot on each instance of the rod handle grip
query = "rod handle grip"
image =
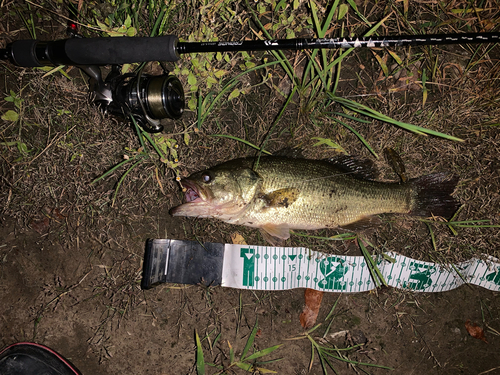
(94, 51)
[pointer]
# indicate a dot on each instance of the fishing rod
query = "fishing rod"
(127, 50)
(152, 98)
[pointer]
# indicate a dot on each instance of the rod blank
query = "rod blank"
(335, 43)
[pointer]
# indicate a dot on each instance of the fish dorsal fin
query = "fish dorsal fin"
(275, 234)
(290, 152)
(357, 167)
(366, 222)
(282, 197)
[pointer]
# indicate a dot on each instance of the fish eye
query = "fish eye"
(206, 177)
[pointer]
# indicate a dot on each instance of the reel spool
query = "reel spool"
(146, 97)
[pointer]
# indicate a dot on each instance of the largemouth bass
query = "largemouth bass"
(280, 194)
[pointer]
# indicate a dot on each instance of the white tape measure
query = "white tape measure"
(281, 268)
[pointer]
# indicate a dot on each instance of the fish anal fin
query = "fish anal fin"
(275, 234)
(282, 197)
(365, 222)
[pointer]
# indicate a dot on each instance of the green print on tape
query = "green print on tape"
(333, 269)
(494, 276)
(248, 266)
(420, 277)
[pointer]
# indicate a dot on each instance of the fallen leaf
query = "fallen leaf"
(311, 309)
(237, 239)
(56, 214)
(41, 226)
(475, 331)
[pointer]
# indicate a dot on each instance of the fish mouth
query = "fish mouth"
(195, 198)
(193, 192)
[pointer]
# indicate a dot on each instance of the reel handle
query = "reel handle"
(93, 51)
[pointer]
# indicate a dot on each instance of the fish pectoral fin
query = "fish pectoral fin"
(282, 197)
(275, 234)
(365, 222)
(274, 241)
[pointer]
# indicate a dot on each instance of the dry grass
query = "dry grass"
(49, 189)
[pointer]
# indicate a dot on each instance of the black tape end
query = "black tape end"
(182, 262)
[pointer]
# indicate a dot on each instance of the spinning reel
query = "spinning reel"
(146, 97)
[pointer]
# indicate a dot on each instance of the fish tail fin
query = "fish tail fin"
(432, 195)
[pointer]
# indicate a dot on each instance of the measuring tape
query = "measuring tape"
(282, 268)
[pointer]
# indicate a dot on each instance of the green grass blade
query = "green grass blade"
(231, 353)
(262, 352)
(337, 78)
(321, 74)
(290, 96)
(313, 329)
(138, 132)
(217, 338)
(250, 340)
(312, 357)
(355, 7)
(465, 281)
(329, 18)
(325, 72)
(348, 51)
(106, 174)
(474, 224)
(200, 360)
(324, 52)
(270, 361)
(360, 137)
(372, 265)
(153, 143)
(332, 310)
(357, 363)
(242, 141)
(244, 366)
(367, 111)
(261, 370)
(120, 181)
(279, 55)
(322, 361)
(203, 114)
(337, 237)
(465, 223)
(433, 238)
(225, 89)
(351, 117)
(158, 21)
(329, 316)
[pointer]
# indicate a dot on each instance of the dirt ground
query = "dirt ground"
(71, 250)
(84, 300)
